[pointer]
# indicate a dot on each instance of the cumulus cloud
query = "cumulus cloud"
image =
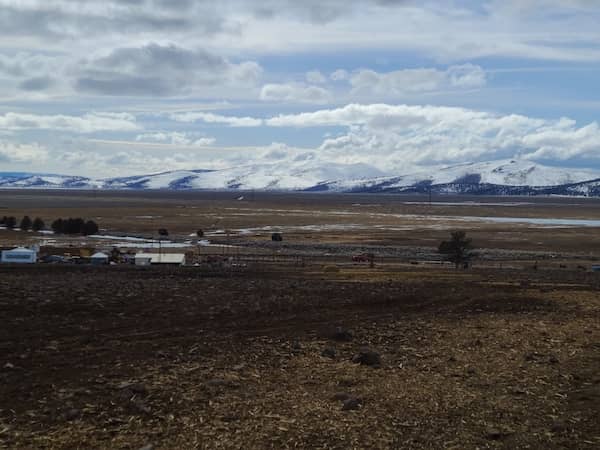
(339, 75)
(315, 77)
(176, 138)
(232, 121)
(161, 70)
(88, 123)
(540, 29)
(71, 19)
(402, 134)
(15, 153)
(108, 162)
(25, 64)
(294, 92)
(401, 82)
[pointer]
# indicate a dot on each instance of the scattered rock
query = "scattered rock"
(558, 427)
(329, 352)
(135, 388)
(497, 434)
(341, 396)
(9, 366)
(351, 404)
(231, 418)
(147, 447)
(296, 346)
(553, 360)
(138, 388)
(494, 434)
(367, 357)
(342, 335)
(347, 382)
(72, 414)
(140, 406)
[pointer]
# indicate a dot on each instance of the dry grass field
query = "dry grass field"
(283, 356)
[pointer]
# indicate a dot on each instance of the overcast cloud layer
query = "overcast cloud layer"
(102, 88)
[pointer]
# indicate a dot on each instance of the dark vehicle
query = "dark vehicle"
(363, 257)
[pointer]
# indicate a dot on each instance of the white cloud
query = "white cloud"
(15, 153)
(402, 82)
(176, 138)
(339, 75)
(393, 135)
(163, 70)
(232, 121)
(88, 123)
(315, 77)
(466, 76)
(295, 92)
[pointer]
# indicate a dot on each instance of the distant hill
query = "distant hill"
(505, 177)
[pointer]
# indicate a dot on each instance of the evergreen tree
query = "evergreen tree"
(57, 226)
(457, 249)
(90, 227)
(38, 224)
(25, 224)
(10, 222)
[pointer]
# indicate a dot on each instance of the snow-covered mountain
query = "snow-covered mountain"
(505, 177)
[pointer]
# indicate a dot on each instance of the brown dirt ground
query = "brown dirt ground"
(120, 357)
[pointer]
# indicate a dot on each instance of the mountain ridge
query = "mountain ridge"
(501, 177)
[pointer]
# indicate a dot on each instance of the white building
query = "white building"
(146, 259)
(19, 255)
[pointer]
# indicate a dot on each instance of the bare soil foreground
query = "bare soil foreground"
(126, 357)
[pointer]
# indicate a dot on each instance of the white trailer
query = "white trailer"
(19, 255)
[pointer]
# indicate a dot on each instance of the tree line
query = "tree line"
(26, 223)
(59, 226)
(74, 226)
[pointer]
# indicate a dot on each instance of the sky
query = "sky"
(107, 88)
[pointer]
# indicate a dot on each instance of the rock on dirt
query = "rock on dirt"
(367, 357)
(341, 396)
(329, 352)
(72, 414)
(342, 335)
(352, 404)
